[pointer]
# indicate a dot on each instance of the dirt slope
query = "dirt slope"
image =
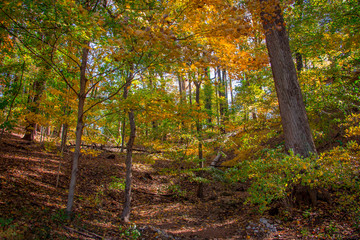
(165, 205)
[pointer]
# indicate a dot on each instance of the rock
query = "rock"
(263, 220)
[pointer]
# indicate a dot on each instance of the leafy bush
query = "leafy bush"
(176, 190)
(130, 233)
(275, 175)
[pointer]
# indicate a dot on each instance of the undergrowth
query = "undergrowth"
(275, 175)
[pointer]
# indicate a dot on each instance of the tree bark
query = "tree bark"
(294, 120)
(63, 137)
(208, 95)
(299, 62)
(34, 102)
(223, 99)
(125, 216)
(200, 191)
(79, 128)
(123, 134)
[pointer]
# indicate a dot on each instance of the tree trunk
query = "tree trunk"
(223, 99)
(34, 102)
(200, 191)
(295, 124)
(190, 92)
(63, 137)
(217, 96)
(79, 128)
(127, 208)
(208, 96)
(123, 134)
(299, 62)
(125, 216)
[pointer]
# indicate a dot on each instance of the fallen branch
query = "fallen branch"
(216, 159)
(102, 147)
(15, 146)
(214, 163)
(91, 233)
(155, 194)
(137, 149)
(85, 234)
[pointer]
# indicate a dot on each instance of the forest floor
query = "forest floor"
(164, 204)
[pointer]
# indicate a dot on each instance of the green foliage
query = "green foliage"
(11, 233)
(5, 221)
(275, 175)
(117, 184)
(8, 125)
(60, 216)
(50, 146)
(130, 232)
(200, 180)
(307, 213)
(176, 190)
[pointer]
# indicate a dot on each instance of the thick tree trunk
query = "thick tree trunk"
(34, 102)
(29, 131)
(292, 109)
(79, 128)
(182, 90)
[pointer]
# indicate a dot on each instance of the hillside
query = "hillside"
(165, 205)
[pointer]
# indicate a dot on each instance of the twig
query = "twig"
(88, 234)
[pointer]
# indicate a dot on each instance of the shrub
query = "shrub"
(275, 175)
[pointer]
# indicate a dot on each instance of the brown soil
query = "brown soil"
(165, 205)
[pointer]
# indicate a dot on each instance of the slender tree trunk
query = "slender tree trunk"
(182, 92)
(63, 137)
(190, 92)
(299, 62)
(123, 134)
(226, 88)
(128, 183)
(218, 101)
(125, 216)
(223, 99)
(208, 95)
(79, 128)
(200, 191)
(292, 110)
